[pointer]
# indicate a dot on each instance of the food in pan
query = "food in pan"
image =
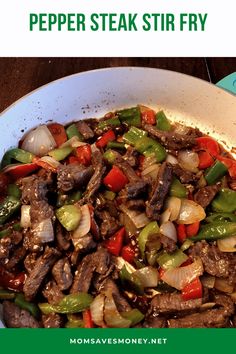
(124, 221)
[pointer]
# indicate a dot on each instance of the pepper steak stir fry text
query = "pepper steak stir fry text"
(124, 221)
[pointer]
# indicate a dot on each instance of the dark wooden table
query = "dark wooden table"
(19, 76)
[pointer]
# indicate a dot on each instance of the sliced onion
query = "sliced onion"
(190, 212)
(168, 229)
(39, 141)
(148, 276)
(208, 281)
(73, 142)
(148, 161)
(151, 171)
(120, 263)
(97, 308)
(139, 219)
(112, 317)
(188, 160)
(44, 231)
(174, 205)
(227, 244)
(50, 161)
(165, 216)
(172, 159)
(223, 285)
(84, 225)
(207, 306)
(25, 220)
(178, 278)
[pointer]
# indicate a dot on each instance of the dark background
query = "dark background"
(19, 76)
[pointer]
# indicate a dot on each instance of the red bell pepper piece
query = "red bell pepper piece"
(192, 290)
(230, 163)
(12, 281)
(128, 253)
(105, 138)
(181, 233)
(44, 165)
(18, 171)
(84, 154)
(115, 180)
(208, 144)
(72, 159)
(148, 117)
(87, 318)
(186, 263)
(114, 243)
(205, 160)
(192, 229)
(58, 132)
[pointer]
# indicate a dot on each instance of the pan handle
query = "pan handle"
(228, 83)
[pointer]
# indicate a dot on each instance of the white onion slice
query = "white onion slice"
(208, 281)
(151, 171)
(165, 216)
(97, 308)
(44, 231)
(173, 204)
(73, 142)
(190, 212)
(84, 225)
(111, 315)
(178, 278)
(227, 244)
(188, 160)
(39, 141)
(50, 161)
(139, 219)
(172, 159)
(168, 229)
(223, 285)
(25, 220)
(148, 276)
(120, 263)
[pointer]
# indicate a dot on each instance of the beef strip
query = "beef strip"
(110, 286)
(61, 272)
(42, 266)
(136, 189)
(131, 156)
(172, 303)
(168, 244)
(126, 168)
(84, 244)
(62, 237)
(154, 322)
(184, 175)
(52, 320)
(33, 188)
(16, 257)
(136, 204)
(73, 176)
(171, 140)
(52, 293)
(40, 210)
(226, 302)
(29, 261)
(109, 225)
(96, 180)
(14, 317)
(159, 191)
(5, 247)
(205, 195)
(84, 129)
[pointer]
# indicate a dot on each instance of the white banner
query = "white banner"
(126, 28)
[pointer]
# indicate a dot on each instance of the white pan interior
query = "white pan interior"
(91, 94)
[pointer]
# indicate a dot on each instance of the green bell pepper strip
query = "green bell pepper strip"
(69, 216)
(173, 260)
(7, 294)
(8, 230)
(215, 173)
(130, 116)
(177, 189)
(61, 153)
(109, 195)
(69, 304)
(133, 135)
(75, 324)
(130, 281)
(220, 217)
(74, 197)
(149, 229)
(72, 131)
(28, 306)
(14, 191)
(215, 231)
(8, 207)
(110, 156)
(18, 155)
(115, 145)
(225, 201)
(162, 122)
(114, 122)
(5, 232)
(187, 243)
(134, 316)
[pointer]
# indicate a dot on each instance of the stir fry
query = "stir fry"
(124, 221)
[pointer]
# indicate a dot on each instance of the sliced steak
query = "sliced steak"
(109, 224)
(40, 210)
(226, 302)
(136, 204)
(184, 175)
(52, 293)
(61, 272)
(33, 188)
(136, 189)
(205, 195)
(42, 266)
(52, 320)
(14, 317)
(168, 244)
(173, 303)
(73, 176)
(96, 180)
(84, 129)
(62, 237)
(159, 191)
(29, 261)
(109, 286)
(154, 322)
(16, 257)
(126, 168)
(131, 156)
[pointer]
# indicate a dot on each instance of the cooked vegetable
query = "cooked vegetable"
(215, 231)
(115, 145)
(177, 189)
(221, 217)
(148, 116)
(84, 223)
(188, 160)
(139, 219)
(61, 153)
(7, 294)
(208, 144)
(8, 207)
(97, 310)
(72, 303)
(25, 220)
(115, 180)
(58, 132)
(111, 315)
(69, 216)
(190, 212)
(215, 173)
(19, 155)
(225, 201)
(193, 290)
(134, 316)
(162, 122)
(72, 131)
(44, 231)
(114, 122)
(39, 141)
(130, 116)
(114, 244)
(173, 260)
(25, 305)
(131, 281)
(173, 204)
(227, 244)
(105, 139)
(148, 230)
(13, 191)
(168, 229)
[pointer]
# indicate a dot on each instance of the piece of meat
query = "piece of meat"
(226, 302)
(5, 247)
(184, 175)
(109, 286)
(40, 210)
(131, 156)
(33, 188)
(52, 320)
(42, 266)
(32, 243)
(173, 303)
(15, 257)
(168, 244)
(96, 180)
(73, 176)
(84, 244)
(14, 317)
(126, 168)
(29, 261)
(62, 237)
(84, 129)
(52, 293)
(136, 204)
(159, 191)
(171, 140)
(136, 189)
(154, 322)
(205, 195)
(109, 225)
(61, 272)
